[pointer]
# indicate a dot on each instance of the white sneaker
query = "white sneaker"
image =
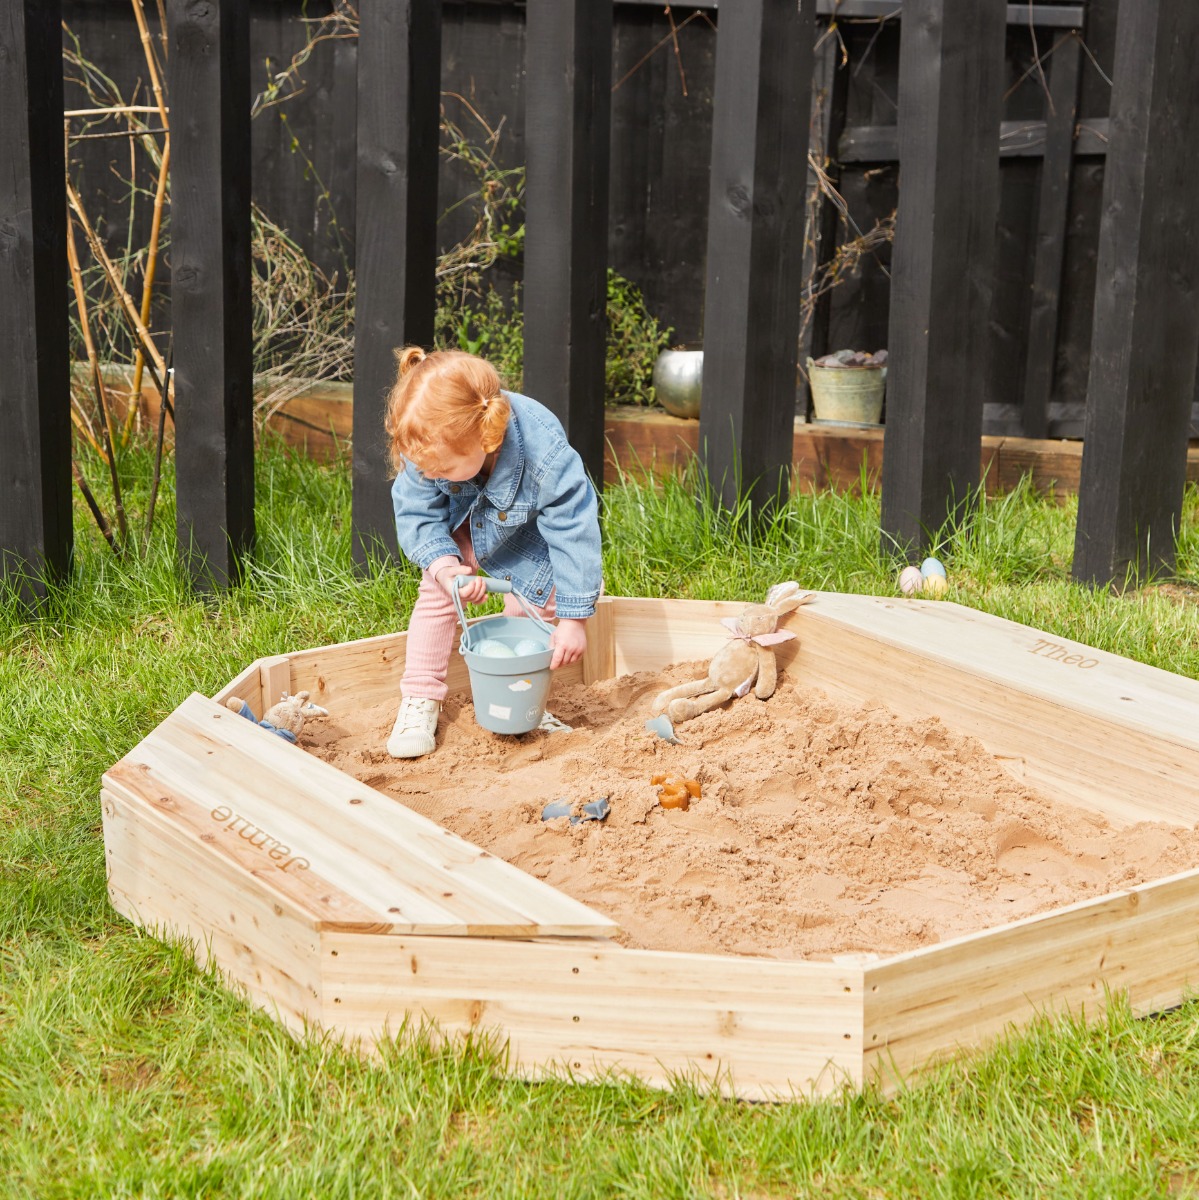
(414, 732)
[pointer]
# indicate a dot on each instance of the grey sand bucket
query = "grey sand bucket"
(510, 684)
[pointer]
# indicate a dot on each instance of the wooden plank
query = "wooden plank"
(36, 537)
(599, 659)
(204, 828)
(247, 686)
(759, 1029)
(366, 672)
(275, 674)
(1060, 15)
(950, 81)
(1146, 327)
(1054, 206)
(349, 855)
(1053, 466)
(755, 242)
(823, 458)
(259, 939)
(927, 1005)
(1017, 139)
(399, 81)
(357, 674)
(210, 288)
(568, 64)
(1082, 725)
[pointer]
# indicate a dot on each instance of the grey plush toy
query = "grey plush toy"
(286, 718)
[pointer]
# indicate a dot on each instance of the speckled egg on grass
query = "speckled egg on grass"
(936, 586)
(911, 582)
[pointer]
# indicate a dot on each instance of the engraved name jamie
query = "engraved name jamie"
(1048, 649)
(259, 839)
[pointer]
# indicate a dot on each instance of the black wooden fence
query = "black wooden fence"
(1042, 300)
(941, 302)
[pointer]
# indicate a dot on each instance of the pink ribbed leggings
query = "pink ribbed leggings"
(433, 629)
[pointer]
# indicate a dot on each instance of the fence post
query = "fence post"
(1143, 343)
(568, 60)
(950, 82)
(761, 109)
(399, 97)
(35, 382)
(1053, 212)
(211, 310)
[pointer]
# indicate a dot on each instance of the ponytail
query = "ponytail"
(408, 357)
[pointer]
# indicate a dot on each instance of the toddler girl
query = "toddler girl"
(485, 479)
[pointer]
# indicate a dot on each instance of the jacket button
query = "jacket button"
(503, 516)
(455, 489)
(478, 524)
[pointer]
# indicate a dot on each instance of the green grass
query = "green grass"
(125, 1071)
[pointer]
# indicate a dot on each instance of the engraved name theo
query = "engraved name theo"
(259, 839)
(1048, 649)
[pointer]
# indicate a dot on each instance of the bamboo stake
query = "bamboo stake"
(101, 256)
(85, 430)
(143, 26)
(151, 271)
(151, 63)
(106, 424)
(119, 110)
(104, 527)
(162, 24)
(158, 444)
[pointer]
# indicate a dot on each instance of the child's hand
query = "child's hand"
(473, 592)
(568, 643)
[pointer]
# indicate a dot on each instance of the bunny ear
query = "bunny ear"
(784, 597)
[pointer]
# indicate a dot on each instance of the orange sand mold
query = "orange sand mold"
(820, 830)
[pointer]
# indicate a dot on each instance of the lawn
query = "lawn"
(125, 1071)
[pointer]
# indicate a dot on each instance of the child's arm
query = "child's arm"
(568, 520)
(569, 642)
(422, 513)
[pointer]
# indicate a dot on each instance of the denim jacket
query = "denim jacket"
(533, 521)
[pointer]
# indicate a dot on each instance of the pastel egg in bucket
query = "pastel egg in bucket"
(508, 661)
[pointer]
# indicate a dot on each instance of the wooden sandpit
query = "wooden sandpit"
(941, 824)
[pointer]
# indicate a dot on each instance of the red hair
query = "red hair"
(447, 399)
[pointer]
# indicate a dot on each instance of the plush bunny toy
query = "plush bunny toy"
(286, 718)
(747, 661)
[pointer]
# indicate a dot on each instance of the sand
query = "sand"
(822, 831)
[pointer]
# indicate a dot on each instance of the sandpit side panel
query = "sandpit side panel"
(654, 634)
(1115, 738)
(928, 1005)
(276, 680)
(350, 856)
(261, 941)
(245, 685)
(367, 672)
(757, 1028)
(599, 660)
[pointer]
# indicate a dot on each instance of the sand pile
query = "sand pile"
(822, 829)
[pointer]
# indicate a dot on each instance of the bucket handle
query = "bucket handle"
(498, 586)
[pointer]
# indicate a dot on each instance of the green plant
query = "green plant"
(635, 339)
